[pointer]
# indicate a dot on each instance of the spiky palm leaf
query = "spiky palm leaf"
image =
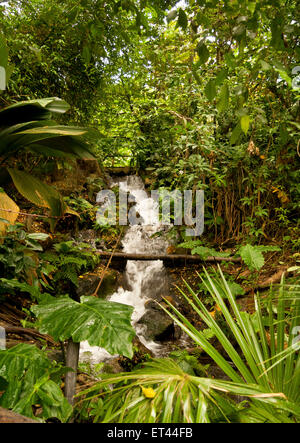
(259, 368)
(161, 392)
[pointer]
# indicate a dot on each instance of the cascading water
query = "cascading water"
(145, 279)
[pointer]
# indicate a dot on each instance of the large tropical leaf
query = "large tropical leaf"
(28, 125)
(7, 204)
(29, 378)
(12, 140)
(23, 135)
(39, 193)
(63, 147)
(100, 322)
(32, 110)
(55, 130)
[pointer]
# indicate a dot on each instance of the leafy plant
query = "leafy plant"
(67, 261)
(85, 210)
(19, 255)
(30, 380)
(259, 360)
(102, 323)
(27, 126)
(203, 251)
(161, 392)
(253, 255)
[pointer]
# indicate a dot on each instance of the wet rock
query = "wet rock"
(157, 286)
(112, 367)
(157, 325)
(141, 354)
(141, 349)
(89, 283)
(88, 236)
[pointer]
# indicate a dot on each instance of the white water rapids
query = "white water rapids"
(144, 278)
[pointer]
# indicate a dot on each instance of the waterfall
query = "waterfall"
(145, 278)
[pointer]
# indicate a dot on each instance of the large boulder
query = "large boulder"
(156, 324)
(89, 283)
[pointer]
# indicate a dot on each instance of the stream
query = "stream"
(146, 280)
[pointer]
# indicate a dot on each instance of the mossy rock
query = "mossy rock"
(89, 283)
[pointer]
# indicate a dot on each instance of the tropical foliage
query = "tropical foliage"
(261, 361)
(192, 95)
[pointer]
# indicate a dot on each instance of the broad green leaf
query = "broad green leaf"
(45, 138)
(239, 31)
(222, 75)
(3, 53)
(63, 147)
(285, 76)
(86, 54)
(245, 123)
(251, 7)
(38, 236)
(210, 90)
(265, 66)
(202, 52)
(252, 256)
(205, 252)
(182, 19)
(223, 101)
(100, 322)
(236, 134)
(52, 104)
(32, 379)
(196, 76)
(32, 111)
(38, 193)
(230, 60)
(22, 287)
(55, 130)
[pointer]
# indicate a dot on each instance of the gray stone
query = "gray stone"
(89, 283)
(157, 325)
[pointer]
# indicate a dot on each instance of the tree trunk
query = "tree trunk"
(11, 417)
(168, 259)
(72, 358)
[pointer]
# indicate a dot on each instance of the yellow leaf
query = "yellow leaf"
(148, 392)
(71, 211)
(280, 395)
(7, 205)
